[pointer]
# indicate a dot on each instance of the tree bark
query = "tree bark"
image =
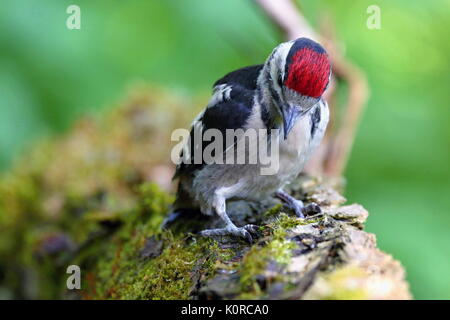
(325, 256)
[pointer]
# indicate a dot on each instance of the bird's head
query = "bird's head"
(296, 75)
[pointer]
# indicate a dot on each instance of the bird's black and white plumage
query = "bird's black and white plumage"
(283, 93)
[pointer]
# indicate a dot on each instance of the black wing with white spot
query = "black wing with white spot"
(229, 108)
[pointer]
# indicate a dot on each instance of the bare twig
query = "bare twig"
(332, 156)
(285, 15)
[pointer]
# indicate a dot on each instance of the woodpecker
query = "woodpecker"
(284, 93)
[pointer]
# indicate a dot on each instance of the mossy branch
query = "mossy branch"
(90, 199)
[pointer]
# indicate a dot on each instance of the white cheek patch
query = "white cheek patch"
(278, 64)
(286, 47)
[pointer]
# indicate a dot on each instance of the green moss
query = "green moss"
(121, 272)
(124, 275)
(256, 260)
(346, 283)
(274, 211)
(85, 185)
(275, 248)
(154, 204)
(285, 222)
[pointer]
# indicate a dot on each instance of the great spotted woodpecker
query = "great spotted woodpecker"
(284, 93)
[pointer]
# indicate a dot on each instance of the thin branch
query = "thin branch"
(285, 15)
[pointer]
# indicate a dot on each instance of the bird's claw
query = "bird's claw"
(301, 210)
(311, 209)
(243, 232)
(247, 230)
(251, 228)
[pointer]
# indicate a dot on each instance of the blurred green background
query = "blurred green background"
(399, 168)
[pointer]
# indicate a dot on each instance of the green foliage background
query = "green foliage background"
(399, 168)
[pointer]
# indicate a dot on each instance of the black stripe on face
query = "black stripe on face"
(315, 120)
(265, 112)
(275, 96)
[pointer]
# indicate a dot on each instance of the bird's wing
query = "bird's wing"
(229, 108)
(245, 77)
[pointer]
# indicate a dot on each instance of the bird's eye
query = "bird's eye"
(280, 81)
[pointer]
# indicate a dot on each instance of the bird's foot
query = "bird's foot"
(301, 210)
(297, 205)
(311, 209)
(243, 232)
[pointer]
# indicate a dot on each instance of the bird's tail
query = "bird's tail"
(184, 207)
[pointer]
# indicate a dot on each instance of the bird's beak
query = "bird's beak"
(290, 115)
